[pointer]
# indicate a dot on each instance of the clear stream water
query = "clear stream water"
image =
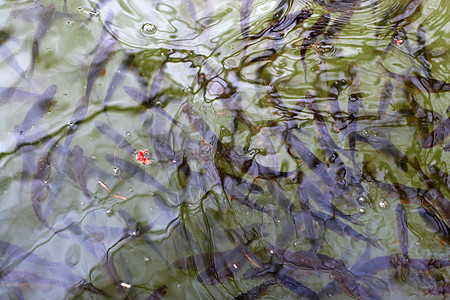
(113, 232)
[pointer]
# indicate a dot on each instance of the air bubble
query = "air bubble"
(116, 170)
(148, 28)
(128, 133)
(362, 199)
(125, 285)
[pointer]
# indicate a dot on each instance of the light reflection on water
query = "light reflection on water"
(241, 159)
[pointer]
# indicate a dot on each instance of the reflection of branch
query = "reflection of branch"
(109, 191)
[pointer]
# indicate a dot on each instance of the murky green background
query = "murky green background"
(210, 31)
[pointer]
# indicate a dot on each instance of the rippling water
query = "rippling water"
(329, 183)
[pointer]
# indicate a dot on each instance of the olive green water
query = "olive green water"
(187, 40)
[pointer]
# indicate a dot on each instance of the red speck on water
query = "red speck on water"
(399, 42)
(141, 157)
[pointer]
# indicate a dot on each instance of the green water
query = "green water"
(186, 41)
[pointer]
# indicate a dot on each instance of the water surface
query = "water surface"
(237, 164)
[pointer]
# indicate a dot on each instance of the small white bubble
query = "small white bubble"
(148, 28)
(116, 171)
(174, 161)
(361, 210)
(125, 285)
(128, 133)
(383, 204)
(235, 266)
(362, 199)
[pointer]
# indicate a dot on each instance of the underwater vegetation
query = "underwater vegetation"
(218, 150)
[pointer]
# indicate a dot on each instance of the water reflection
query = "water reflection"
(224, 150)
